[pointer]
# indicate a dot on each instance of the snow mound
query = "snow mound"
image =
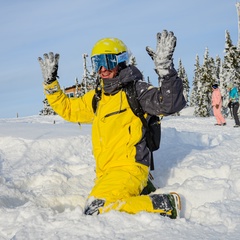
(47, 171)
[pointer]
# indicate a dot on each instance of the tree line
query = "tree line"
(220, 71)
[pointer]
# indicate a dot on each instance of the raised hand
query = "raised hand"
(49, 67)
(163, 56)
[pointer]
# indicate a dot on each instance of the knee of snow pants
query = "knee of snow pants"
(120, 188)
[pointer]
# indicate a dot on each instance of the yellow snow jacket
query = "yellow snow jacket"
(115, 129)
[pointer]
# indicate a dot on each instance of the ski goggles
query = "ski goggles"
(108, 61)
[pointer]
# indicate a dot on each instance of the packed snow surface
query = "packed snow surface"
(47, 171)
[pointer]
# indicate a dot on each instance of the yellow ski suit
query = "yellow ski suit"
(119, 146)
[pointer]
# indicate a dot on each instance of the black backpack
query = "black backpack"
(152, 123)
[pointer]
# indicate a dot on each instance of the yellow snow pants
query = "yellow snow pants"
(121, 188)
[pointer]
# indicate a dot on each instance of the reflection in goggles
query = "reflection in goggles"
(109, 61)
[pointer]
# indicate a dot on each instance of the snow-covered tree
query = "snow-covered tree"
(47, 109)
(230, 71)
(231, 65)
(88, 80)
(183, 75)
(207, 77)
(194, 92)
(218, 66)
(132, 60)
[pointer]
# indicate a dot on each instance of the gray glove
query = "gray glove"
(49, 67)
(166, 43)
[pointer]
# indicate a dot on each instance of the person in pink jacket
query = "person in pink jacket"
(217, 105)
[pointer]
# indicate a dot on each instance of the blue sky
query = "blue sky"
(71, 28)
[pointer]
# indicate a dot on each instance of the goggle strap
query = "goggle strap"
(122, 57)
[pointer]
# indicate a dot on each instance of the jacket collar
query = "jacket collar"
(129, 74)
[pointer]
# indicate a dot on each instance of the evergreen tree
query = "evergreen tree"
(231, 65)
(47, 109)
(196, 91)
(230, 71)
(206, 79)
(218, 67)
(132, 61)
(182, 74)
(194, 96)
(89, 78)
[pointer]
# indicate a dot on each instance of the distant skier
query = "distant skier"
(118, 136)
(217, 105)
(234, 101)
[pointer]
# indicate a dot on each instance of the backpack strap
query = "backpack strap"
(130, 90)
(97, 96)
(136, 108)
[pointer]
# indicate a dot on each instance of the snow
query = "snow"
(47, 171)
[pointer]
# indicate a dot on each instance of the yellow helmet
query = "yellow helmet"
(108, 46)
(108, 53)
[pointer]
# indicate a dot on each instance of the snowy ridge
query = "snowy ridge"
(47, 171)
